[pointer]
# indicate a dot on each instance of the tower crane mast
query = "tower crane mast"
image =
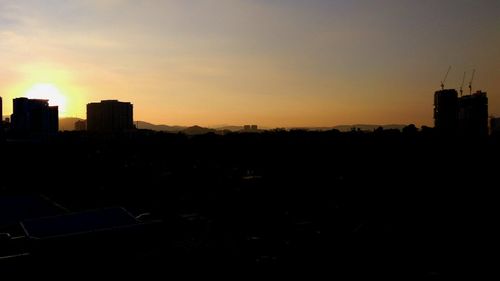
(445, 77)
(471, 80)
(462, 86)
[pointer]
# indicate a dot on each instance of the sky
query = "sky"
(275, 63)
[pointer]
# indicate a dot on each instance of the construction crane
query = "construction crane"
(462, 86)
(470, 83)
(446, 76)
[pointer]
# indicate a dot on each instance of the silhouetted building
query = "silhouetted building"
(34, 116)
(465, 116)
(1, 112)
(495, 126)
(1, 122)
(250, 128)
(473, 114)
(81, 125)
(445, 111)
(1, 116)
(110, 116)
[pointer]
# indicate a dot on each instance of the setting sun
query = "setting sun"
(49, 92)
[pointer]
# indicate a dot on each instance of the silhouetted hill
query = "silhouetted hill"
(197, 130)
(229, 128)
(174, 129)
(347, 128)
(368, 127)
(165, 128)
(68, 124)
(194, 130)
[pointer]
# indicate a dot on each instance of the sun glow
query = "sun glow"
(49, 92)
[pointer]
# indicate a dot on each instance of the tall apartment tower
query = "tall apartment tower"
(34, 116)
(465, 116)
(110, 116)
(1, 113)
(445, 111)
(473, 115)
(495, 126)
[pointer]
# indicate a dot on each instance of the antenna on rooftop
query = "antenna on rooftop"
(471, 80)
(446, 76)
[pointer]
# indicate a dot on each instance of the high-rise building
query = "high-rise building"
(495, 126)
(110, 116)
(1, 113)
(465, 116)
(445, 111)
(1, 120)
(473, 115)
(34, 116)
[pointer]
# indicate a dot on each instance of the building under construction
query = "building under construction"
(463, 116)
(495, 126)
(446, 111)
(473, 115)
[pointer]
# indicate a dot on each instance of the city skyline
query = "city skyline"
(276, 64)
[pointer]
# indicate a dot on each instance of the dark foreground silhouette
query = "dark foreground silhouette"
(398, 205)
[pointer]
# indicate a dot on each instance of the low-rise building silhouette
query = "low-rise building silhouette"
(34, 116)
(250, 128)
(81, 125)
(110, 116)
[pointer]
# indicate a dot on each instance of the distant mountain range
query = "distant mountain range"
(342, 128)
(68, 124)
(165, 128)
(368, 127)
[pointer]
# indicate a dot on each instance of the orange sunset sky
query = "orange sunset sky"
(275, 63)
